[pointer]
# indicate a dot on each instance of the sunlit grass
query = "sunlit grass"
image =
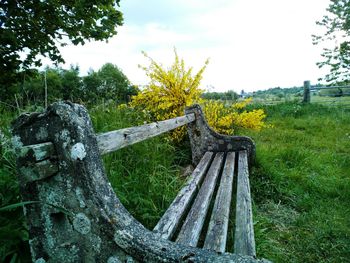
(301, 185)
(145, 176)
(331, 101)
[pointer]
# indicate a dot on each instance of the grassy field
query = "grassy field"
(329, 101)
(300, 182)
(343, 101)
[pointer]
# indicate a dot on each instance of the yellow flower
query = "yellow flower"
(224, 119)
(169, 91)
(242, 104)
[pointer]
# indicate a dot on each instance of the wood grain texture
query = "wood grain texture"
(114, 140)
(244, 235)
(191, 229)
(169, 222)
(217, 231)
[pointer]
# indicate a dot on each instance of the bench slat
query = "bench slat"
(114, 140)
(218, 226)
(244, 234)
(191, 229)
(39, 151)
(169, 222)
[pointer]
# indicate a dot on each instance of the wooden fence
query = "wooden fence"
(318, 94)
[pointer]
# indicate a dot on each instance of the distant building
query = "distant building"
(244, 94)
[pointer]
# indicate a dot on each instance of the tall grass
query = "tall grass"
(13, 229)
(301, 184)
(145, 176)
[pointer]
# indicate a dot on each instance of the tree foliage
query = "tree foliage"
(337, 32)
(227, 95)
(108, 83)
(31, 28)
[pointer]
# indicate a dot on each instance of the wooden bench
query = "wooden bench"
(75, 215)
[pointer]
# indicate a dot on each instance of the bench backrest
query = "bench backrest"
(114, 140)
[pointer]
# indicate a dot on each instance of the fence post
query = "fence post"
(306, 98)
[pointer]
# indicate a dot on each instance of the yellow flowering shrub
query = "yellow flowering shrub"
(242, 104)
(226, 118)
(218, 117)
(170, 90)
(250, 120)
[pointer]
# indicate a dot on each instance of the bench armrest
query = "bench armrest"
(203, 138)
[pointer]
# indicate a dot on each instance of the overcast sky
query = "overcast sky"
(251, 44)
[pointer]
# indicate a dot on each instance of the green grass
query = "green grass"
(301, 185)
(331, 101)
(13, 230)
(145, 176)
(300, 182)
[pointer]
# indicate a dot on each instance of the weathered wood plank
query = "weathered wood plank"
(38, 171)
(38, 164)
(217, 232)
(191, 229)
(114, 140)
(244, 234)
(169, 222)
(37, 152)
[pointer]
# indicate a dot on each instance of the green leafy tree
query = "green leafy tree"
(26, 89)
(72, 85)
(31, 28)
(114, 84)
(61, 84)
(337, 25)
(91, 84)
(109, 83)
(54, 83)
(32, 87)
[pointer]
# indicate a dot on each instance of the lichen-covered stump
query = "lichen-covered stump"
(78, 217)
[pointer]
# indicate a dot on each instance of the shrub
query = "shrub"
(171, 90)
(226, 119)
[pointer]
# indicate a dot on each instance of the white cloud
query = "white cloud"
(252, 44)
